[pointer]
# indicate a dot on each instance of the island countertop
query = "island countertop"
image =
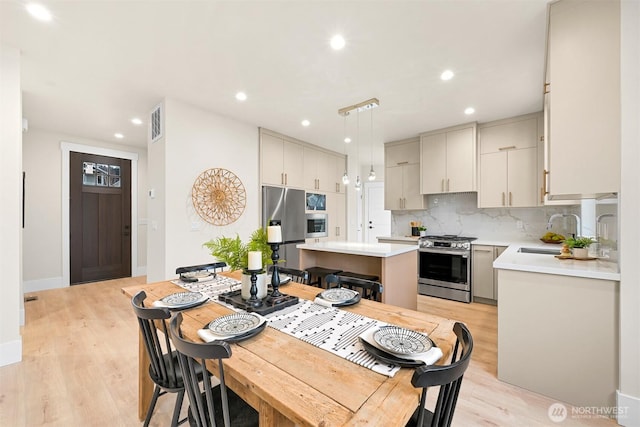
(511, 259)
(380, 250)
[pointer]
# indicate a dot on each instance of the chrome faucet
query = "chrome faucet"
(599, 217)
(564, 215)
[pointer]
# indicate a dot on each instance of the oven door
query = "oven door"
(447, 268)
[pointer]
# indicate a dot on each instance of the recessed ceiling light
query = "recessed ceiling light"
(39, 12)
(337, 42)
(306, 122)
(136, 121)
(241, 96)
(446, 75)
(347, 140)
(118, 135)
(469, 110)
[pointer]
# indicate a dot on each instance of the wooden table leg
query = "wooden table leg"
(145, 385)
(269, 417)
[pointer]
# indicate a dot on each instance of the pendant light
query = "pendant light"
(369, 104)
(358, 184)
(345, 177)
(372, 173)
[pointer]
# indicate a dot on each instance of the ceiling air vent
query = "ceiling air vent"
(156, 123)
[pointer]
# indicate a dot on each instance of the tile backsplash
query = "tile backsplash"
(458, 213)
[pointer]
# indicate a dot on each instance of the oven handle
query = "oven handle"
(463, 254)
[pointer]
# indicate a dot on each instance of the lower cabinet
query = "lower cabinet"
(484, 279)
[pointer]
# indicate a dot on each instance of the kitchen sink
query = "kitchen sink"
(543, 251)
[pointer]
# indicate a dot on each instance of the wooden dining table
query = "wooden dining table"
(291, 382)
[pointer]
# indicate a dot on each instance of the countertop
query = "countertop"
(511, 259)
(411, 239)
(380, 250)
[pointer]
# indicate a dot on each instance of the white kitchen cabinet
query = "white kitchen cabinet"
(583, 99)
(508, 166)
(402, 176)
(448, 160)
(321, 172)
(337, 220)
(484, 282)
(281, 161)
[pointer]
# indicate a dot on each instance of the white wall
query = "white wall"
(194, 141)
(10, 208)
(629, 395)
(42, 162)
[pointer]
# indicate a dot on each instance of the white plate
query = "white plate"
(234, 324)
(395, 339)
(338, 295)
(181, 298)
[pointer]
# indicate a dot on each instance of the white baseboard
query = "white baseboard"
(42, 284)
(629, 407)
(10, 352)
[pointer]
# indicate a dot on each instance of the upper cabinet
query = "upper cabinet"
(448, 160)
(281, 161)
(508, 172)
(582, 99)
(402, 175)
(323, 170)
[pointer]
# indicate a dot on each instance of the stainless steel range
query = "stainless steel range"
(444, 267)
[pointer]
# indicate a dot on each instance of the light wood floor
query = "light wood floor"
(79, 366)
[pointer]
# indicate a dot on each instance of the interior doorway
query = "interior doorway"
(99, 217)
(377, 221)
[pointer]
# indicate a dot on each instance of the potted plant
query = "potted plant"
(579, 246)
(235, 253)
(422, 230)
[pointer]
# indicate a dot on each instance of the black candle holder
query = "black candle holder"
(253, 300)
(275, 276)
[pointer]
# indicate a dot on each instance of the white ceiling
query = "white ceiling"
(100, 63)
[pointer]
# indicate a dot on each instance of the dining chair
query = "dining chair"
(369, 289)
(448, 377)
(163, 368)
(300, 276)
(216, 404)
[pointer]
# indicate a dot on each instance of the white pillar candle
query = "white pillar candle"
(274, 234)
(255, 260)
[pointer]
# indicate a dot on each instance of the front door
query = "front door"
(377, 220)
(100, 217)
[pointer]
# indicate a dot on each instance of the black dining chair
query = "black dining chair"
(300, 276)
(216, 405)
(448, 377)
(163, 368)
(369, 289)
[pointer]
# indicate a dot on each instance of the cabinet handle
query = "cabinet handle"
(503, 198)
(482, 250)
(447, 185)
(511, 147)
(286, 179)
(545, 174)
(337, 231)
(510, 199)
(442, 185)
(282, 178)
(546, 88)
(403, 163)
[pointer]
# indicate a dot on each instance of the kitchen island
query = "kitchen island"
(395, 264)
(558, 326)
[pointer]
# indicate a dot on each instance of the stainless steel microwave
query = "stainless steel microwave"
(316, 225)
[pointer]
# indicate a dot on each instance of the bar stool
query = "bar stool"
(316, 274)
(372, 278)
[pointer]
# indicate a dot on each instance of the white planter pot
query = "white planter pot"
(580, 252)
(261, 283)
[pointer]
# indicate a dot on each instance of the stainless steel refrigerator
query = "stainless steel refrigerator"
(286, 206)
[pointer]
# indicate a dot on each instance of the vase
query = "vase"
(580, 252)
(261, 284)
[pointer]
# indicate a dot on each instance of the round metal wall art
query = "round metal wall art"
(219, 196)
